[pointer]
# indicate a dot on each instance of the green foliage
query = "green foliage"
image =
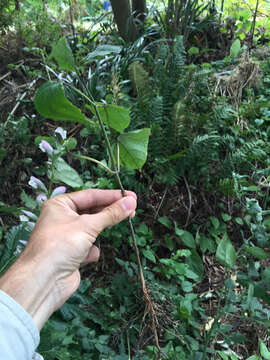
(5, 14)
(51, 102)
(62, 53)
(203, 233)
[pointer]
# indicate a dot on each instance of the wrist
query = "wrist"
(31, 284)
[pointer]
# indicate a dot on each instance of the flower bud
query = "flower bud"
(40, 198)
(46, 147)
(35, 183)
(58, 191)
(29, 214)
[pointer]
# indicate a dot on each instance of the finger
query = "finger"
(93, 198)
(93, 255)
(114, 213)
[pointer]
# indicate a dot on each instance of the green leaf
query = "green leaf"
(264, 351)
(102, 51)
(225, 253)
(50, 102)
(235, 48)
(70, 144)
(133, 148)
(66, 174)
(62, 53)
(258, 252)
(206, 243)
(116, 117)
(186, 237)
(239, 221)
(195, 264)
(254, 357)
(28, 201)
(193, 51)
(226, 217)
(215, 222)
(165, 221)
(149, 254)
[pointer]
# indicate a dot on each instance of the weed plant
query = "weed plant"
(208, 268)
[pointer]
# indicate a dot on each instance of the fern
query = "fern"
(8, 253)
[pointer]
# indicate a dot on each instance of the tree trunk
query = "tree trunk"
(44, 3)
(124, 19)
(17, 5)
(139, 9)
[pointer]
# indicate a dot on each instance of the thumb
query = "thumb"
(115, 213)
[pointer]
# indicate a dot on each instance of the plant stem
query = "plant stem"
(147, 298)
(115, 166)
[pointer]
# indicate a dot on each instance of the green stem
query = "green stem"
(115, 166)
(95, 161)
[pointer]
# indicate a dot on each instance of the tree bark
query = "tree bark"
(17, 5)
(139, 9)
(124, 20)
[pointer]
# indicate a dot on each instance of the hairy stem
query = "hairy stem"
(147, 298)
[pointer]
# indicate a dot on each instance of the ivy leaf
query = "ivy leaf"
(50, 102)
(66, 174)
(226, 253)
(116, 117)
(62, 53)
(133, 148)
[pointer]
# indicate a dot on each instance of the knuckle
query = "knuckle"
(113, 214)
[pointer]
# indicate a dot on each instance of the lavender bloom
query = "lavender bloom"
(23, 218)
(61, 132)
(58, 191)
(31, 225)
(40, 198)
(46, 147)
(35, 183)
(23, 242)
(29, 215)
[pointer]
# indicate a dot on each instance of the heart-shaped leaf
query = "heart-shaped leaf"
(133, 148)
(116, 117)
(50, 102)
(66, 174)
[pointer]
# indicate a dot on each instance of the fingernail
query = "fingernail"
(129, 204)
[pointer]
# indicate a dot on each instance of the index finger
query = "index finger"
(93, 198)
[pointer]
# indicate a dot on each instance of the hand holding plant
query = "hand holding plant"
(46, 274)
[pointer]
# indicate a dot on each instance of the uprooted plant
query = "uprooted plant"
(127, 149)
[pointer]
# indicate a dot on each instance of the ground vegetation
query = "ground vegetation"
(170, 100)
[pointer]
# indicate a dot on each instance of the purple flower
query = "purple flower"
(46, 147)
(40, 198)
(58, 191)
(31, 225)
(37, 184)
(29, 214)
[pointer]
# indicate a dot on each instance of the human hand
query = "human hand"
(46, 274)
